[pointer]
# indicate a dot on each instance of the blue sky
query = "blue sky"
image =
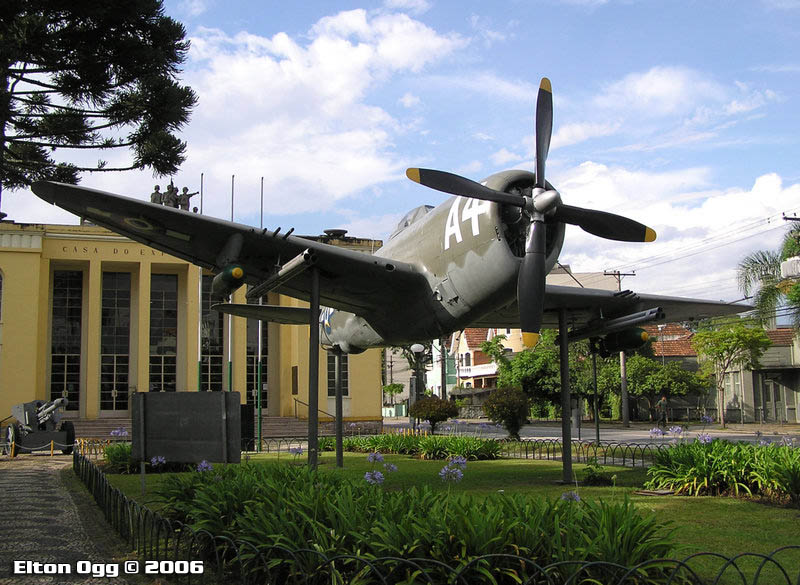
(681, 114)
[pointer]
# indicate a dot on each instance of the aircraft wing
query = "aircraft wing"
(350, 281)
(584, 305)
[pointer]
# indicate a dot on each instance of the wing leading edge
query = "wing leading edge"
(350, 281)
(585, 305)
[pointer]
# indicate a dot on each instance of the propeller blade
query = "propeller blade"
(544, 128)
(531, 284)
(457, 185)
(605, 225)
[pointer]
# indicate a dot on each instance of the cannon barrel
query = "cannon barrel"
(47, 409)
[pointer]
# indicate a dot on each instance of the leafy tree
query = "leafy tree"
(433, 409)
(393, 390)
(651, 379)
(759, 274)
(83, 75)
(509, 407)
(727, 349)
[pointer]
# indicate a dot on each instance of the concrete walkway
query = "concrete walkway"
(41, 523)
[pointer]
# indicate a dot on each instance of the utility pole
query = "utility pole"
(623, 379)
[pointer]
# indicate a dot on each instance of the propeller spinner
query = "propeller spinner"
(540, 205)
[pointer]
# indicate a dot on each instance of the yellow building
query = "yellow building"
(96, 317)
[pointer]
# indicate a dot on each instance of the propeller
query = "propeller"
(540, 205)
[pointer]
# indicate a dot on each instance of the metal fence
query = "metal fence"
(198, 557)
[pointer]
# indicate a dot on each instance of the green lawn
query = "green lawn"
(729, 526)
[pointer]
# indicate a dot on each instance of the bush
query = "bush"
(290, 507)
(434, 410)
(509, 407)
(118, 458)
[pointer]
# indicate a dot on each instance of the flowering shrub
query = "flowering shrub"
(204, 466)
(254, 504)
(119, 432)
(718, 467)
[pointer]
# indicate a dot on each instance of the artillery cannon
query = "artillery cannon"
(38, 425)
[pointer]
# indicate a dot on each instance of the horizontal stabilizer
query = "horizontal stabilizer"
(272, 313)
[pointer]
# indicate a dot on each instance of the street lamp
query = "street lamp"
(414, 394)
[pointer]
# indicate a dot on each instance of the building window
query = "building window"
(211, 354)
(115, 328)
(467, 359)
(252, 359)
(332, 375)
(163, 332)
(65, 345)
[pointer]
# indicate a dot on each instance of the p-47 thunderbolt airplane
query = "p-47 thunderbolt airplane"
(479, 259)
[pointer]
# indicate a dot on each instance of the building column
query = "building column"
(190, 299)
(239, 346)
(273, 377)
(91, 396)
(140, 329)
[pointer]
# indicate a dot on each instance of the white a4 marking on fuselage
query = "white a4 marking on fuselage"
(472, 211)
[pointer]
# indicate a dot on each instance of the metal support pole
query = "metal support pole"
(566, 435)
(593, 347)
(338, 424)
(623, 378)
(443, 355)
(313, 371)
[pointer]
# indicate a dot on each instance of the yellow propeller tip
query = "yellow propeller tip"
(413, 174)
(530, 339)
(545, 85)
(649, 235)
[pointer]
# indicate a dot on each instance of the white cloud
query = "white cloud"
(504, 157)
(573, 133)
(660, 91)
(295, 111)
(412, 6)
(702, 232)
(193, 7)
(409, 100)
(489, 83)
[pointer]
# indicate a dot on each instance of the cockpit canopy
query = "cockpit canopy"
(412, 216)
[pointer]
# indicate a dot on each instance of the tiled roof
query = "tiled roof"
(674, 348)
(782, 336)
(475, 336)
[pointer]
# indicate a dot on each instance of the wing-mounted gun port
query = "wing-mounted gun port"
(285, 273)
(602, 327)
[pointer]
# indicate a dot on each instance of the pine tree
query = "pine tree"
(83, 75)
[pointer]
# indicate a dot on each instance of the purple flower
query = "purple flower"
(787, 442)
(453, 474)
(204, 466)
(157, 461)
(705, 419)
(375, 458)
(570, 496)
(374, 477)
(676, 430)
(656, 432)
(119, 432)
(763, 442)
(390, 467)
(458, 461)
(704, 438)
(296, 451)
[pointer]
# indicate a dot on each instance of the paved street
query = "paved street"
(638, 432)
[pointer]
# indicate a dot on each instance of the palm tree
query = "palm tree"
(759, 274)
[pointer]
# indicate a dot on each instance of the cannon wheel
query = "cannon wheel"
(69, 428)
(12, 440)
